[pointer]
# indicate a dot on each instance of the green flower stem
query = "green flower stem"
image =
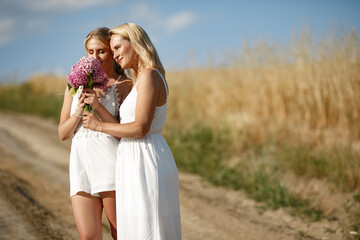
(90, 85)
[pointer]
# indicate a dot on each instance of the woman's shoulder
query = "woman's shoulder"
(124, 86)
(151, 75)
(151, 72)
(125, 81)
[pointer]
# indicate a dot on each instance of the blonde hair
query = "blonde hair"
(140, 41)
(102, 34)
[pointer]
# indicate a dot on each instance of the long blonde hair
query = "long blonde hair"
(102, 34)
(140, 41)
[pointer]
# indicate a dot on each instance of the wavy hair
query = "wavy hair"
(102, 34)
(140, 41)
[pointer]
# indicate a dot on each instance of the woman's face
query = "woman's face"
(98, 50)
(124, 53)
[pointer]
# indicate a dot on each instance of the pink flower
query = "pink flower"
(79, 75)
(87, 72)
(101, 85)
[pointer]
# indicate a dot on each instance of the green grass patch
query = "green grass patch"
(323, 164)
(23, 98)
(201, 151)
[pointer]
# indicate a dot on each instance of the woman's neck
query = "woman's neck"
(112, 74)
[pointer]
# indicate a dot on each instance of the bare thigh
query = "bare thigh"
(87, 211)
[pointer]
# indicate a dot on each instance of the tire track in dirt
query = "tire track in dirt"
(37, 221)
(31, 153)
(35, 204)
(36, 191)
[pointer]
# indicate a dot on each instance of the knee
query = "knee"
(89, 235)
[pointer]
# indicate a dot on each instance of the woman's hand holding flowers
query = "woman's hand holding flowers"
(91, 98)
(86, 73)
(80, 107)
(90, 121)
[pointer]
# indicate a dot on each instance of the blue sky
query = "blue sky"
(46, 36)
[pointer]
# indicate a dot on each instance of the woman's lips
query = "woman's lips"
(118, 60)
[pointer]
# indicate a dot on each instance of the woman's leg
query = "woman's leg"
(108, 200)
(87, 211)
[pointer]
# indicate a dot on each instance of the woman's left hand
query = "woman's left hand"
(90, 121)
(91, 98)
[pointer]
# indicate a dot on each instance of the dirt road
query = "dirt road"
(35, 204)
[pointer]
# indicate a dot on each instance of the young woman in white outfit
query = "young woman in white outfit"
(93, 154)
(147, 187)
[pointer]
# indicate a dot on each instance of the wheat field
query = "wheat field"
(307, 100)
(287, 115)
(290, 112)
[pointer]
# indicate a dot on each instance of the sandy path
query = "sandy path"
(34, 202)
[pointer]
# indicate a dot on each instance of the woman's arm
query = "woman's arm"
(68, 124)
(92, 99)
(122, 90)
(149, 86)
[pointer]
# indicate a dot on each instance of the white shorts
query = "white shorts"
(92, 163)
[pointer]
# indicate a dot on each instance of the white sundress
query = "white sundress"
(93, 154)
(147, 185)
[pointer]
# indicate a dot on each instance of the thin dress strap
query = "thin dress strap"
(116, 99)
(163, 80)
(117, 80)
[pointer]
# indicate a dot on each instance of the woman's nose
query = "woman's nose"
(115, 55)
(96, 55)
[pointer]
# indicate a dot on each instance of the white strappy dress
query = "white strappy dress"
(93, 154)
(147, 185)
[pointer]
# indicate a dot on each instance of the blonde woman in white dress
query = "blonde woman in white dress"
(147, 187)
(93, 154)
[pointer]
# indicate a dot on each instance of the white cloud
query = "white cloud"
(56, 70)
(48, 5)
(179, 21)
(6, 27)
(142, 12)
(6, 24)
(56, 5)
(24, 16)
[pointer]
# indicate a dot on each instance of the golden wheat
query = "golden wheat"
(306, 98)
(304, 94)
(310, 94)
(43, 83)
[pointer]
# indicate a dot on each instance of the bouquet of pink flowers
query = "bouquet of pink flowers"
(87, 73)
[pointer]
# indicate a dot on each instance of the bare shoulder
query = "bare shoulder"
(150, 76)
(124, 87)
(127, 82)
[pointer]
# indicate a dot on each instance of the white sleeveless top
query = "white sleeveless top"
(110, 100)
(127, 110)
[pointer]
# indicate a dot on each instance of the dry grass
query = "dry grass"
(291, 112)
(317, 96)
(48, 83)
(313, 101)
(293, 109)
